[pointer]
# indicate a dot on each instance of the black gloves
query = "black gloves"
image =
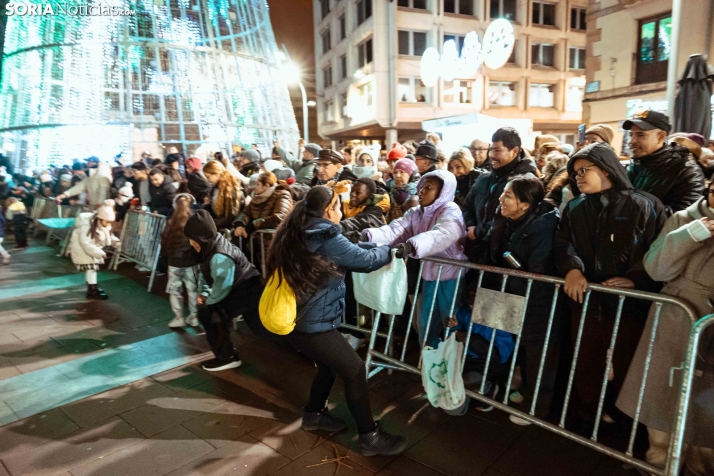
(403, 250)
(353, 236)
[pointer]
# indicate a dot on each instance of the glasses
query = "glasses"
(479, 149)
(582, 171)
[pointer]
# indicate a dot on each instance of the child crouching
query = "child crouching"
(92, 234)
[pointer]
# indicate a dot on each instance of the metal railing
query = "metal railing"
(140, 241)
(377, 361)
(228, 234)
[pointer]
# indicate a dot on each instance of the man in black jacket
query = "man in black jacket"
(480, 204)
(426, 157)
(198, 186)
(330, 169)
(664, 169)
(162, 191)
(603, 236)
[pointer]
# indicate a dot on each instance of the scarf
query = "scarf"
(401, 193)
(262, 197)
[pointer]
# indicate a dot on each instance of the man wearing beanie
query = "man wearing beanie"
(426, 157)
(661, 168)
(330, 169)
(304, 166)
(229, 286)
(599, 133)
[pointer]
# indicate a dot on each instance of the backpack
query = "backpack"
(278, 307)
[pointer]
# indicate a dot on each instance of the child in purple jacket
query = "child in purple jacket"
(433, 229)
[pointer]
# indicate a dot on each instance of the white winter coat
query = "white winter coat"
(84, 249)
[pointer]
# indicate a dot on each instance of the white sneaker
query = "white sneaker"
(142, 269)
(519, 421)
(177, 322)
(192, 321)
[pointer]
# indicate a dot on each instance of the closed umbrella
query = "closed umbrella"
(692, 108)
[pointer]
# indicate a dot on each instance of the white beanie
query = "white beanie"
(127, 191)
(45, 178)
(106, 211)
(270, 165)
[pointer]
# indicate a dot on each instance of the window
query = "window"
(459, 40)
(574, 99)
(654, 49)
(343, 66)
(541, 95)
(543, 13)
(329, 111)
(462, 7)
(460, 92)
(412, 43)
(327, 77)
(501, 93)
(577, 58)
(364, 53)
(512, 58)
(326, 41)
(343, 105)
(324, 7)
(366, 94)
(503, 9)
(343, 28)
(420, 4)
(413, 90)
(364, 11)
(543, 55)
(577, 19)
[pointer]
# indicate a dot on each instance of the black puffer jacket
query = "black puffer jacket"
(482, 200)
(162, 197)
(199, 187)
(669, 174)
(606, 235)
(530, 240)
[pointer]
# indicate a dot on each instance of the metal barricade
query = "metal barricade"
(140, 241)
(59, 222)
(263, 252)
(377, 360)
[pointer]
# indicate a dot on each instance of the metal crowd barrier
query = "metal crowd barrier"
(228, 235)
(377, 361)
(140, 241)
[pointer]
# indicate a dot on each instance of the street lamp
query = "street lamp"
(293, 75)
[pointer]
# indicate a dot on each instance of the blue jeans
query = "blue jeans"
(442, 309)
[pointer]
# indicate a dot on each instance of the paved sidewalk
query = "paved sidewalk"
(138, 418)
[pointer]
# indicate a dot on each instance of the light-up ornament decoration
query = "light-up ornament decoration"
(497, 47)
(191, 73)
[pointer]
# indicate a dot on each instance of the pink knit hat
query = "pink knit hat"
(406, 165)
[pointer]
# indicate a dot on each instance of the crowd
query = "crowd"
(643, 222)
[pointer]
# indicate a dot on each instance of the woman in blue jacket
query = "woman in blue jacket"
(313, 256)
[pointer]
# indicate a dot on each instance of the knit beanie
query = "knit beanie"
(194, 163)
(65, 178)
(603, 131)
(397, 152)
(251, 156)
(45, 178)
(127, 191)
(314, 149)
(406, 165)
(77, 166)
(106, 211)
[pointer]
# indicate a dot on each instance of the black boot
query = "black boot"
(322, 421)
(378, 442)
(94, 292)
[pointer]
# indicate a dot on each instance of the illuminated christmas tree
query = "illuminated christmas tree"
(201, 75)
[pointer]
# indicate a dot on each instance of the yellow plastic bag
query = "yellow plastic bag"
(278, 308)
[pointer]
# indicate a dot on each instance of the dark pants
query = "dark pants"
(216, 319)
(590, 369)
(334, 356)
(497, 371)
(20, 224)
(529, 355)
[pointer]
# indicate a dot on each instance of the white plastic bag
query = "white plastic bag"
(441, 374)
(384, 290)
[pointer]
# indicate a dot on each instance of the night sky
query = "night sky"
(293, 25)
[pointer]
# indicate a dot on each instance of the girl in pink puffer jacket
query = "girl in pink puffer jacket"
(433, 229)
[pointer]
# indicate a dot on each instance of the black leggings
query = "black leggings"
(334, 356)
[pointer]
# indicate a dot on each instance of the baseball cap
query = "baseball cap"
(649, 120)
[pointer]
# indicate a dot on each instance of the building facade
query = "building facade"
(368, 57)
(628, 52)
